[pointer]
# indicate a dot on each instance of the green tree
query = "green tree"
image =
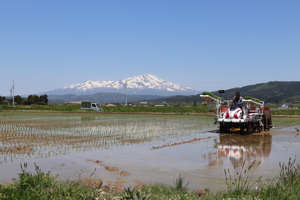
(44, 98)
(5, 101)
(25, 101)
(2, 98)
(28, 100)
(35, 99)
(18, 99)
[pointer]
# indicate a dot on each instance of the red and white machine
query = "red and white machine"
(251, 117)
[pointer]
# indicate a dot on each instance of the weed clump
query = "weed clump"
(284, 186)
(238, 182)
(44, 186)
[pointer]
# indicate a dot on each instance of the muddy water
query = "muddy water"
(200, 156)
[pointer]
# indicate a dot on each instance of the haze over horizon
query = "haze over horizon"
(205, 45)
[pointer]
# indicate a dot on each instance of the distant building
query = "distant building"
(285, 105)
(76, 102)
(112, 104)
(144, 102)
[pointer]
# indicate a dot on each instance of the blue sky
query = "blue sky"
(207, 45)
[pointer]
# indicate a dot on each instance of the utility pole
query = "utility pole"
(13, 87)
(126, 92)
(10, 93)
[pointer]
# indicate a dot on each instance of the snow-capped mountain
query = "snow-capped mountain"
(143, 84)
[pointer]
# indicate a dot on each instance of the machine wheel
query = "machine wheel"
(249, 128)
(223, 128)
(265, 122)
(260, 128)
(256, 127)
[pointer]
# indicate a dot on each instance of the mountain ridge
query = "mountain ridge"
(146, 84)
(270, 92)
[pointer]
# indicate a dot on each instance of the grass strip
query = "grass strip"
(76, 108)
(44, 186)
(120, 109)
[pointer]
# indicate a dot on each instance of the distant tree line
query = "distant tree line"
(3, 100)
(31, 99)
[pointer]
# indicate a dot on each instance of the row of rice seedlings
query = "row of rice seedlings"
(83, 135)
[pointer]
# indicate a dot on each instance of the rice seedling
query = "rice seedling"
(41, 135)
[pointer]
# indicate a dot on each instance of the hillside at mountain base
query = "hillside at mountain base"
(271, 92)
(101, 98)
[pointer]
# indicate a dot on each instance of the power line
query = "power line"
(126, 92)
(13, 89)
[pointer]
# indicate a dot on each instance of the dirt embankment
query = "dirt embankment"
(98, 183)
(180, 143)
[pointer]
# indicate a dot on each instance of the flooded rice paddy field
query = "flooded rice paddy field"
(128, 149)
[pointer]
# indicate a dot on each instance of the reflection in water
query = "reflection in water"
(237, 148)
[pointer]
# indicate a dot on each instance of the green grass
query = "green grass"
(44, 186)
(156, 109)
(281, 122)
(284, 186)
(272, 106)
(50, 107)
(286, 112)
(76, 108)
(186, 109)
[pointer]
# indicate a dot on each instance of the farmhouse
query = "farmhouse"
(76, 102)
(111, 104)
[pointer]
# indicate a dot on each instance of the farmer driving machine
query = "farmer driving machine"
(249, 116)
